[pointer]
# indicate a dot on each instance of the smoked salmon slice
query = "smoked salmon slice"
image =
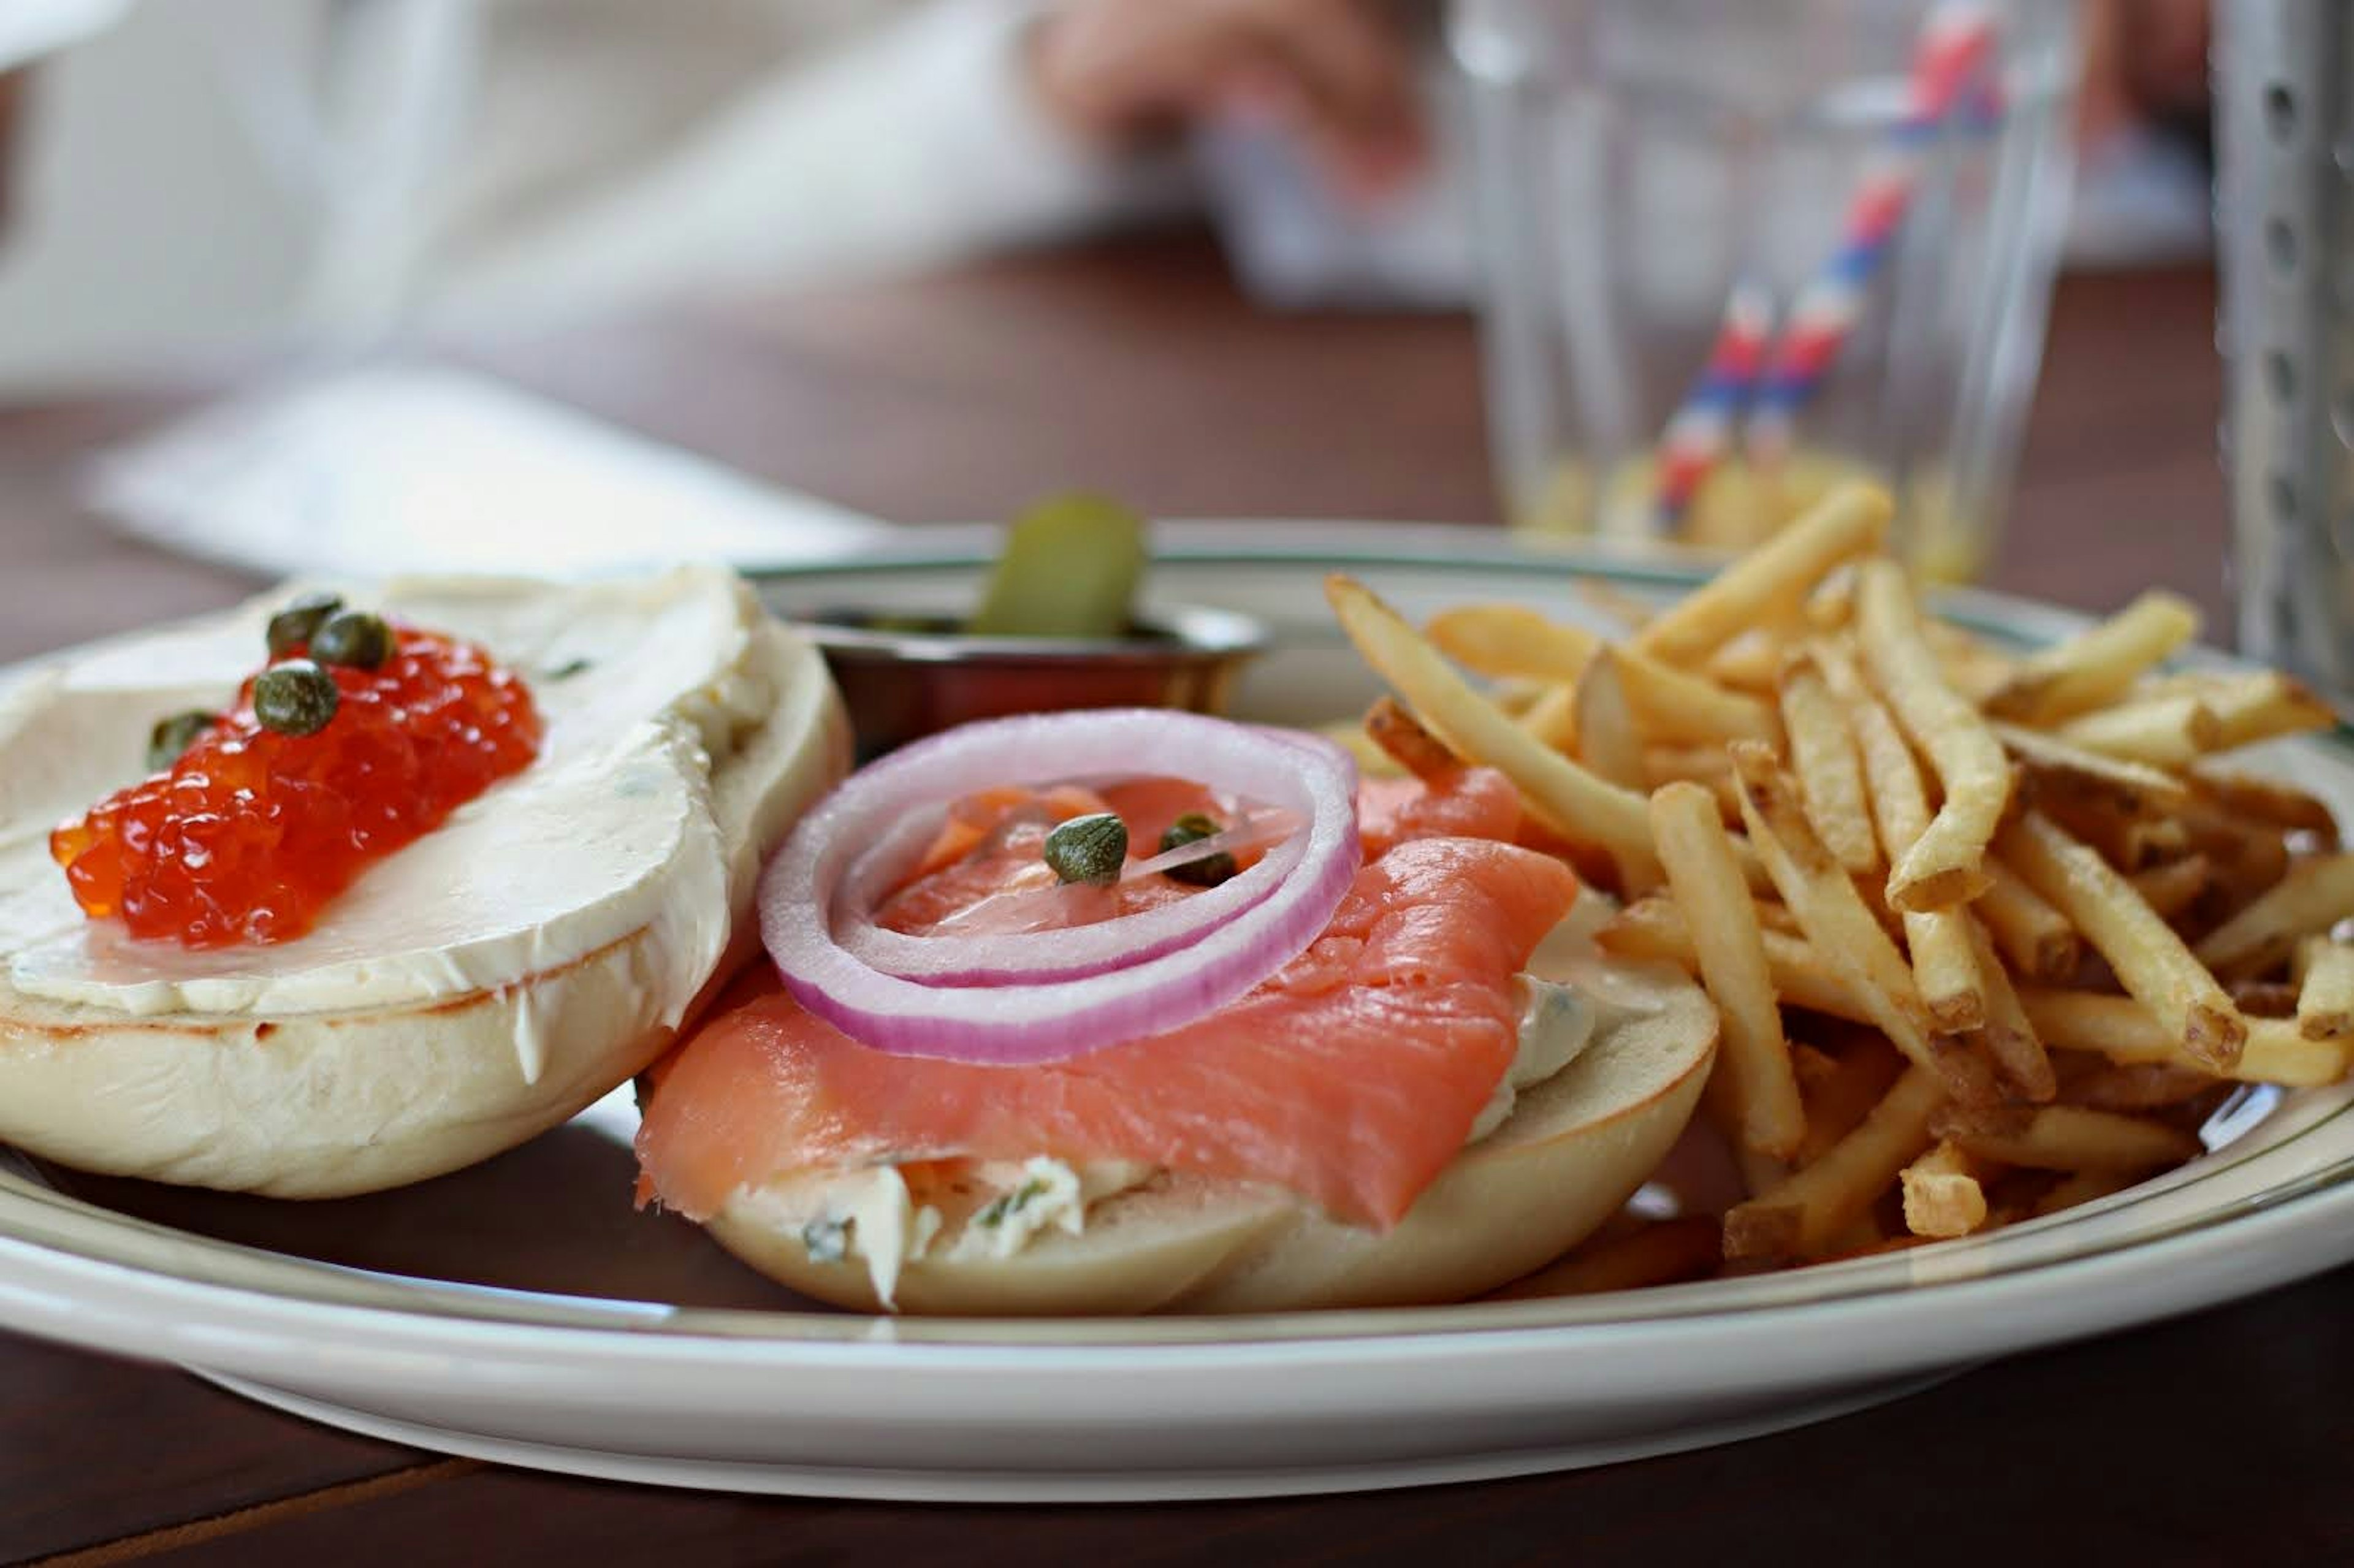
(1351, 1077)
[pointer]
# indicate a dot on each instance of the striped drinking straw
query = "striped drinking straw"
(1957, 39)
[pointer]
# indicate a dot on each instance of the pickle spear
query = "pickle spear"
(1069, 568)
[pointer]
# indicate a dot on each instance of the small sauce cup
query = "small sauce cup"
(904, 676)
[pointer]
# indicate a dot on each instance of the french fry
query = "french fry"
(2099, 665)
(1604, 725)
(2074, 773)
(2244, 796)
(1936, 941)
(2150, 959)
(2172, 887)
(1706, 881)
(1570, 801)
(1841, 927)
(1664, 1252)
(2036, 937)
(1671, 704)
(1410, 745)
(1706, 766)
(2067, 1138)
(1830, 775)
(1510, 640)
(1799, 1218)
(2130, 842)
(2123, 1029)
(2254, 706)
(1942, 1194)
(1552, 720)
(1772, 579)
(2083, 1187)
(2159, 731)
(1945, 865)
(2315, 896)
(1655, 929)
(2324, 997)
(2103, 1085)
(1751, 663)
(2010, 1038)
(2248, 860)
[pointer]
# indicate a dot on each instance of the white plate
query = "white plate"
(521, 1311)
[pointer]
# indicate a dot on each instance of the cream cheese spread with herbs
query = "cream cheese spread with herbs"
(996, 1209)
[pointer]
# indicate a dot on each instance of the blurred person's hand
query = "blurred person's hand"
(1337, 74)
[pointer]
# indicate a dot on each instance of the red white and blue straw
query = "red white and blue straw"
(1947, 78)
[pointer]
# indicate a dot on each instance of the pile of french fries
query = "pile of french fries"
(1989, 936)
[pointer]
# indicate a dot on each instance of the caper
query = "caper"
(296, 697)
(1088, 849)
(171, 738)
(300, 622)
(352, 637)
(1211, 869)
(566, 669)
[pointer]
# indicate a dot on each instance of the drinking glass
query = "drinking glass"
(1893, 220)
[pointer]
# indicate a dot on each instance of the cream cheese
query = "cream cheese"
(613, 830)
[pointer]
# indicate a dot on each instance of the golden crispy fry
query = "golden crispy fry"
(1799, 1218)
(2130, 843)
(2244, 796)
(2010, 1038)
(2249, 860)
(1771, 581)
(1570, 801)
(2082, 1187)
(1938, 947)
(1510, 640)
(1604, 725)
(2150, 959)
(2099, 665)
(2324, 997)
(2159, 731)
(2123, 1029)
(1775, 916)
(2067, 1138)
(1830, 775)
(2251, 706)
(1942, 1194)
(2035, 937)
(2315, 896)
(2174, 887)
(1706, 766)
(1552, 720)
(2102, 1084)
(1706, 881)
(1671, 705)
(1945, 865)
(1664, 1252)
(2056, 768)
(1841, 927)
(1831, 606)
(1751, 663)
(1654, 928)
(1410, 745)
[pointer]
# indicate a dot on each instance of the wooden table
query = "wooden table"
(1135, 367)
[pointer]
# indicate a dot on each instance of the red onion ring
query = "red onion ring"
(1072, 989)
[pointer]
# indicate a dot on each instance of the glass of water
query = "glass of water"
(1737, 253)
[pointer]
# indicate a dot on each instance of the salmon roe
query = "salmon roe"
(251, 832)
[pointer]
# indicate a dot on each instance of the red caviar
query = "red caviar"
(252, 832)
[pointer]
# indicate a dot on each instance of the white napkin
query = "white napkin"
(395, 468)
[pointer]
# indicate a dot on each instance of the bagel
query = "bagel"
(472, 989)
(1572, 1150)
